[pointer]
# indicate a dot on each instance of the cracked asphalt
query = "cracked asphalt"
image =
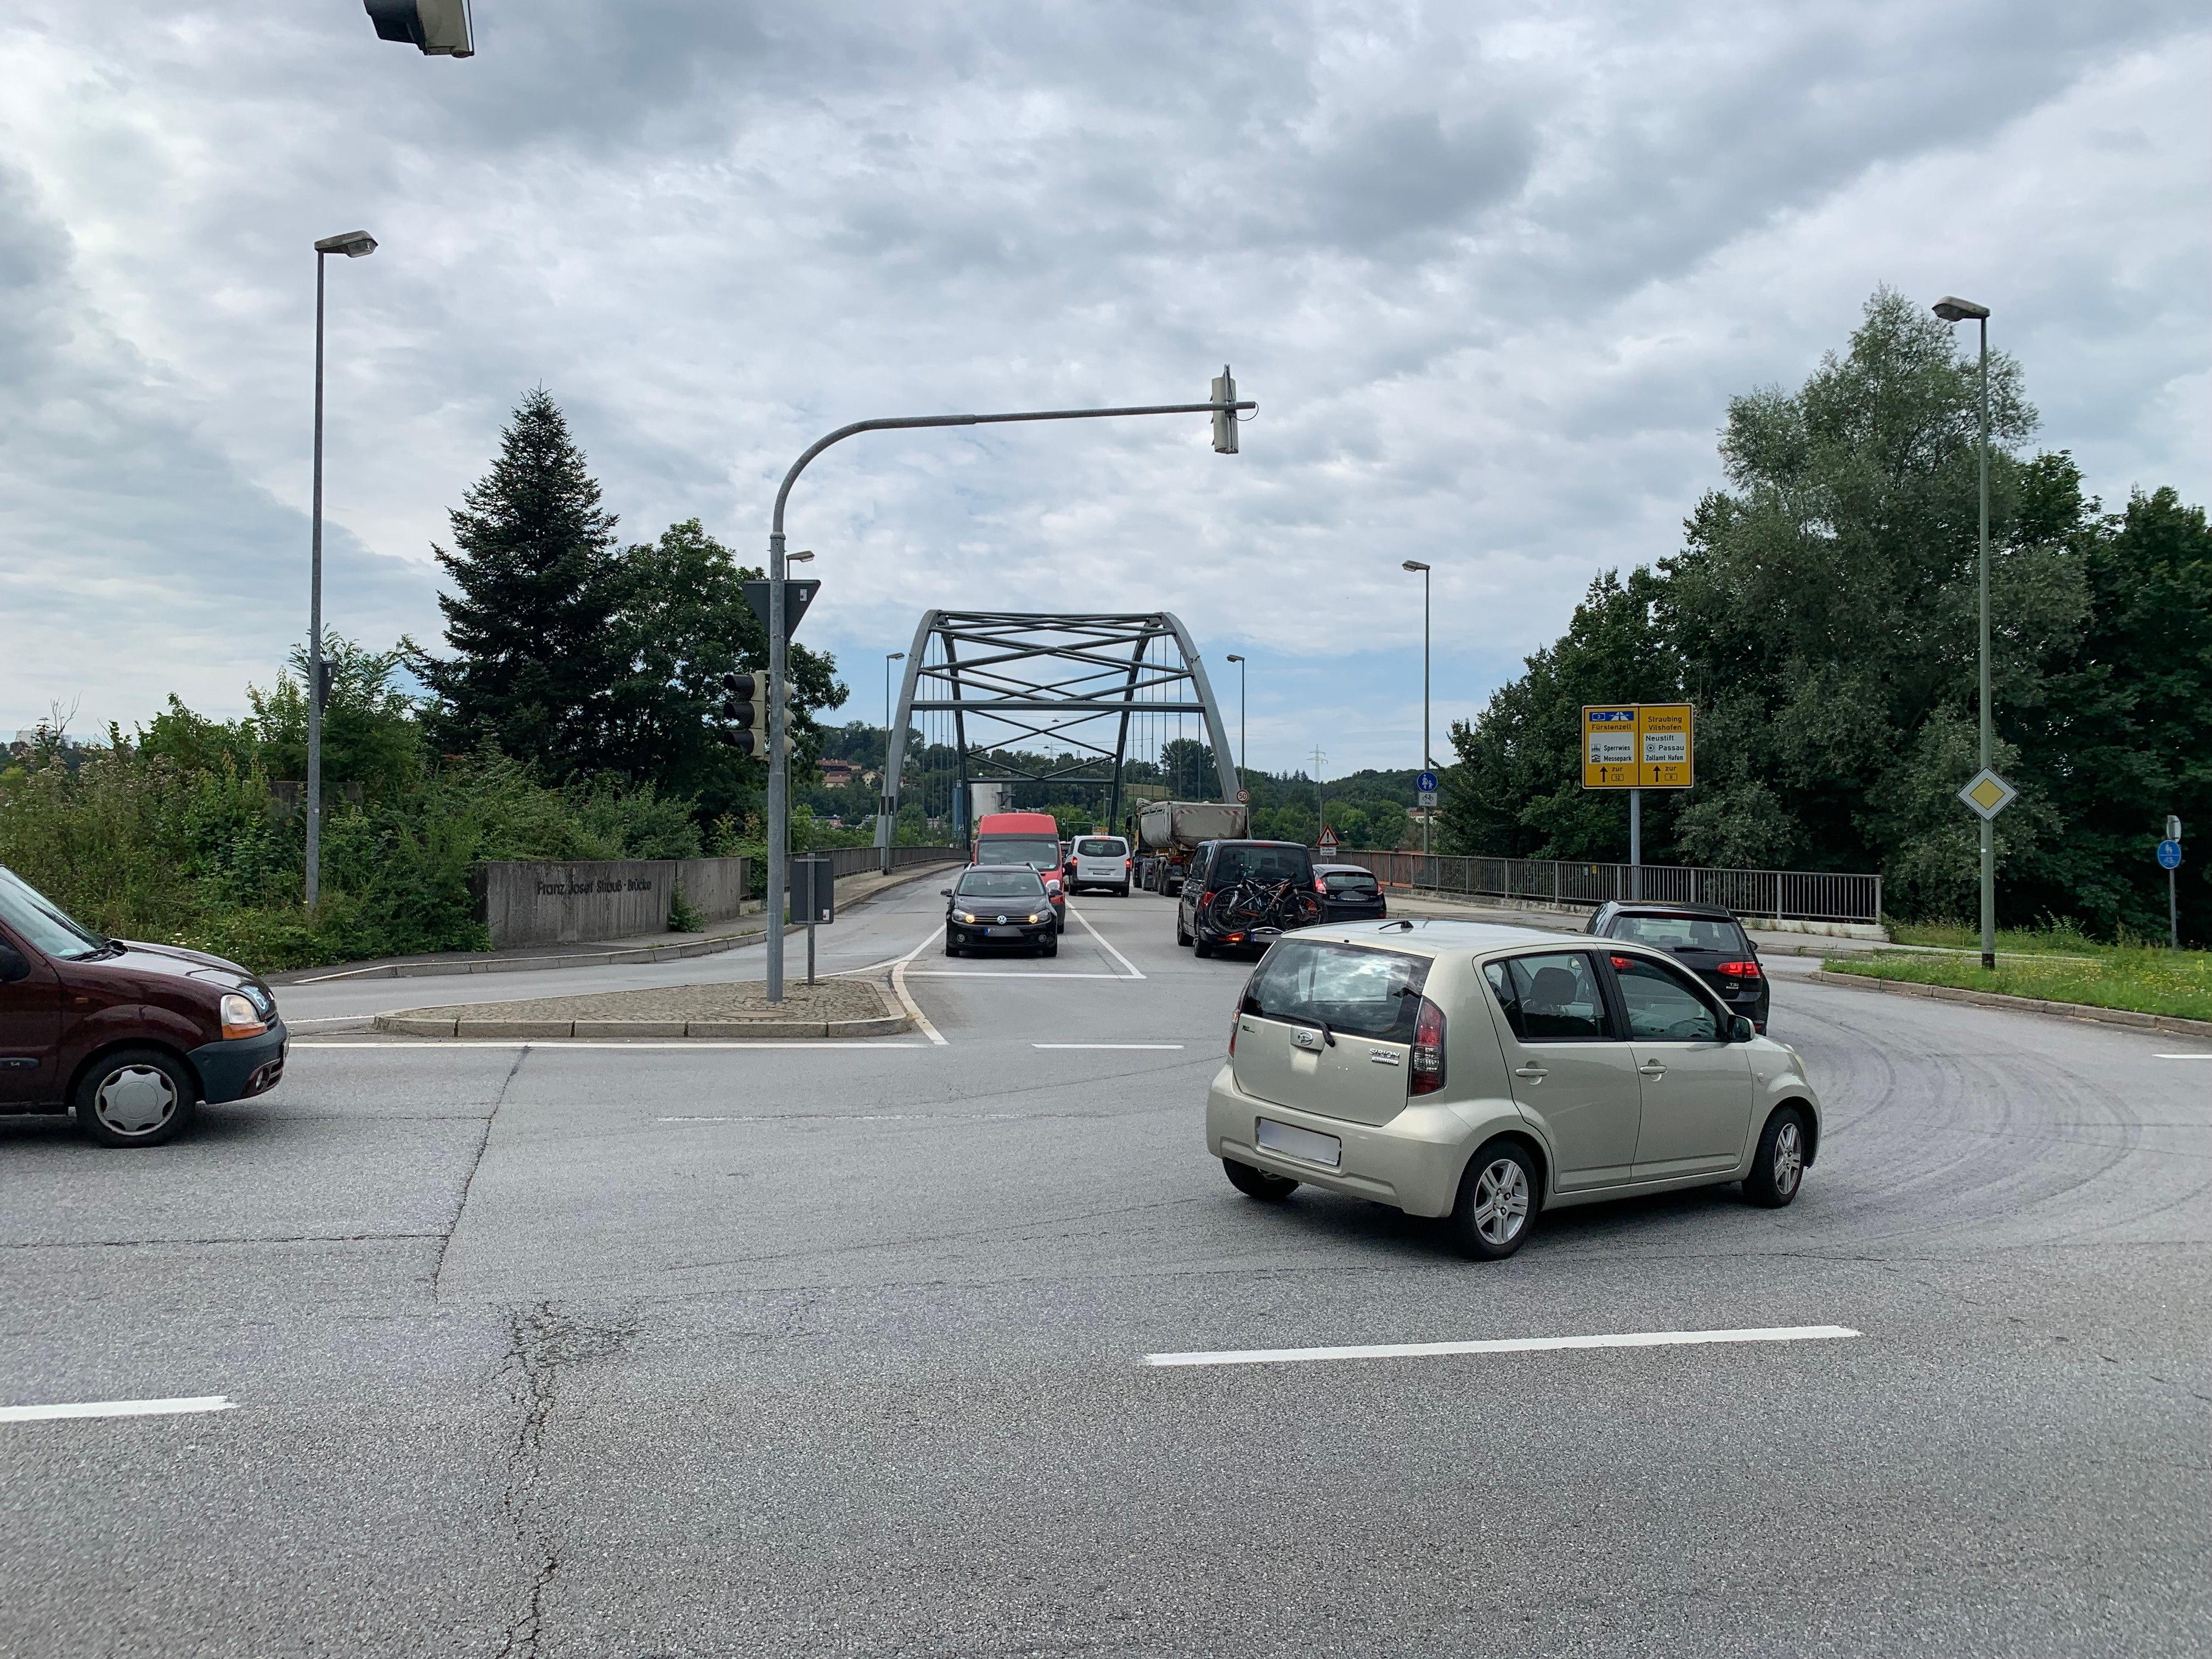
(635, 1351)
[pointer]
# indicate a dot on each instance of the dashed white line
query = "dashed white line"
(1105, 1045)
(1507, 1344)
(1006, 973)
(2183, 1056)
(206, 1402)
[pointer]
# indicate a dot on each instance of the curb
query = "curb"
(2173, 1024)
(889, 1023)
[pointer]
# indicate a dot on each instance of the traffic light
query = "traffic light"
(1225, 420)
(745, 707)
(439, 28)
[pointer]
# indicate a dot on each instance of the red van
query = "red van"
(130, 1038)
(1031, 838)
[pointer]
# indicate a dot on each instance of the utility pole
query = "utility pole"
(1952, 309)
(1321, 817)
(355, 245)
(1428, 760)
(1222, 405)
(1243, 754)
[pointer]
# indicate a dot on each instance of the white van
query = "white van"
(1099, 861)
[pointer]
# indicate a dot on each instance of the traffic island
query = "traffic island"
(827, 1008)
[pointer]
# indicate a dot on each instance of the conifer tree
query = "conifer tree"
(538, 582)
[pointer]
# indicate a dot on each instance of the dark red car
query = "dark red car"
(130, 1038)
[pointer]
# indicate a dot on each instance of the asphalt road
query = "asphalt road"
(659, 1350)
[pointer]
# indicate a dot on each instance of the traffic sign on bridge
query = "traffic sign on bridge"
(1640, 746)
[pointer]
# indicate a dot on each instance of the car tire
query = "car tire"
(1499, 1197)
(1182, 938)
(135, 1097)
(1267, 1187)
(1777, 1169)
(1200, 947)
(950, 949)
(1049, 948)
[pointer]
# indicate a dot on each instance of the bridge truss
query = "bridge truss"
(1070, 691)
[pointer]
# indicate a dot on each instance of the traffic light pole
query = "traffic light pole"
(1222, 409)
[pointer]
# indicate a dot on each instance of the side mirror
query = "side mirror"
(945, 892)
(1740, 1030)
(13, 967)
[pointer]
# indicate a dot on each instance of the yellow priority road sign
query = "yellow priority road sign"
(1650, 745)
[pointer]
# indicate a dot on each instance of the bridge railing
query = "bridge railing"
(1778, 894)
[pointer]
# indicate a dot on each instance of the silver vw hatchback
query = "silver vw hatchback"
(1488, 1074)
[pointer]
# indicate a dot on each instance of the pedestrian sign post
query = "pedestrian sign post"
(2169, 859)
(1638, 746)
(1425, 789)
(1986, 794)
(2169, 855)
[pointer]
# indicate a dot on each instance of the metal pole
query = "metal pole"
(779, 823)
(1989, 828)
(314, 881)
(1428, 762)
(810, 953)
(1636, 843)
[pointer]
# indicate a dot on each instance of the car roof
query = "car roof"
(1661, 907)
(1435, 938)
(1342, 869)
(997, 869)
(1300, 845)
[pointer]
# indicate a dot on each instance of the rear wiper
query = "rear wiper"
(1321, 1026)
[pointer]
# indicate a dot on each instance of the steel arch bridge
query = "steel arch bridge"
(1057, 679)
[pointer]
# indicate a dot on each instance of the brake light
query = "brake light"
(1233, 1018)
(1320, 885)
(1427, 1073)
(1739, 970)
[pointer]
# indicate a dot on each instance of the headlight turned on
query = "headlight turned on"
(239, 1017)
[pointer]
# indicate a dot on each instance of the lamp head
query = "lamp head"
(354, 244)
(1415, 564)
(894, 656)
(1953, 309)
(798, 558)
(1233, 657)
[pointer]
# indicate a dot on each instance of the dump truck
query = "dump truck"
(1165, 833)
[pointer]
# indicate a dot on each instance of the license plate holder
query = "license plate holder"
(1306, 1145)
(1003, 932)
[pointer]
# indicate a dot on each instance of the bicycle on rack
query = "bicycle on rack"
(1258, 904)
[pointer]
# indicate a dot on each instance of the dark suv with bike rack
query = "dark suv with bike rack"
(1244, 895)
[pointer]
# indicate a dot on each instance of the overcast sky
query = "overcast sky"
(1492, 272)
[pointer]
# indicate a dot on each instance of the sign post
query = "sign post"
(2169, 857)
(814, 899)
(1638, 746)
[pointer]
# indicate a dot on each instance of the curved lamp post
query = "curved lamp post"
(1952, 309)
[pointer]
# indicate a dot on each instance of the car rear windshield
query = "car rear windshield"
(1018, 849)
(1360, 992)
(1099, 847)
(1233, 864)
(1002, 883)
(1682, 932)
(33, 917)
(1350, 881)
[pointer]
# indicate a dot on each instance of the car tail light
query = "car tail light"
(1233, 1018)
(1428, 1067)
(1739, 970)
(1320, 885)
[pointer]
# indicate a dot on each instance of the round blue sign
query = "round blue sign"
(1426, 782)
(2169, 855)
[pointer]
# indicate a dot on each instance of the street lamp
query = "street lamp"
(1222, 402)
(890, 657)
(1952, 309)
(355, 245)
(1427, 762)
(1242, 757)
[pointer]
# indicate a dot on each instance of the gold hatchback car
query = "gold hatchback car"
(1489, 1073)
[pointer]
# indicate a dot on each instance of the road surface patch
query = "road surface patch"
(1504, 1345)
(206, 1402)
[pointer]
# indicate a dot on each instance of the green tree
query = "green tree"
(538, 586)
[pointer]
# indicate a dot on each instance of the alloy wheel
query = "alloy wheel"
(1501, 1201)
(1789, 1158)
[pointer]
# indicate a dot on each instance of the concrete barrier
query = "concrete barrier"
(534, 903)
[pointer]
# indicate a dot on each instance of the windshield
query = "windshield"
(1018, 849)
(1683, 932)
(1234, 864)
(1098, 847)
(1002, 883)
(39, 921)
(1362, 992)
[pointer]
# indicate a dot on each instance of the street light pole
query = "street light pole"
(1243, 754)
(1427, 761)
(355, 245)
(1952, 309)
(1223, 408)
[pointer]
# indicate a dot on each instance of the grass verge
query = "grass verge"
(2144, 980)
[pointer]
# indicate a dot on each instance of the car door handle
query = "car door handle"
(1651, 1068)
(1534, 1072)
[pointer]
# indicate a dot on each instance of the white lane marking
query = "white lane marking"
(554, 1043)
(1507, 1344)
(206, 1402)
(1006, 973)
(1108, 943)
(863, 1117)
(2182, 1056)
(888, 962)
(1105, 1045)
(914, 1008)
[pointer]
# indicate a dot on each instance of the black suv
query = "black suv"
(1705, 938)
(1272, 883)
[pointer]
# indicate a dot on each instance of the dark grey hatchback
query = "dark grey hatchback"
(1705, 938)
(1349, 893)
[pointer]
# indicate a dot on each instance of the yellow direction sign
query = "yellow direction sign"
(1609, 747)
(1650, 745)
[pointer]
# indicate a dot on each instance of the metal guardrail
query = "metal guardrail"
(1778, 894)
(868, 860)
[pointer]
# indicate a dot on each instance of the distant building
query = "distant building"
(836, 774)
